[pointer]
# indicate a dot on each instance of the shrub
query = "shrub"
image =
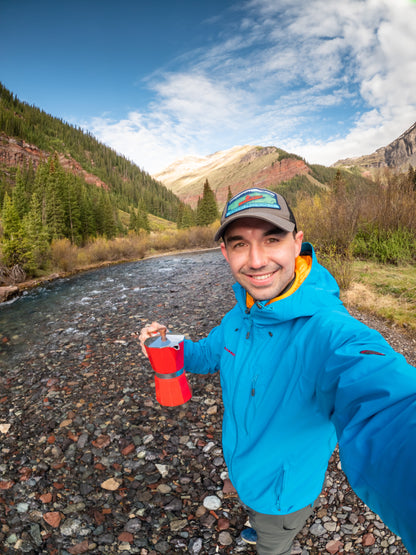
(385, 245)
(340, 266)
(64, 255)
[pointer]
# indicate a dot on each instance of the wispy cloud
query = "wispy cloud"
(322, 78)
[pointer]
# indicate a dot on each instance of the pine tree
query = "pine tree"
(142, 217)
(186, 216)
(72, 208)
(12, 246)
(21, 198)
(207, 211)
(35, 237)
(55, 200)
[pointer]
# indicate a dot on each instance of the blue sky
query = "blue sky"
(160, 80)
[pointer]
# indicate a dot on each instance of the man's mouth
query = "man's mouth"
(262, 277)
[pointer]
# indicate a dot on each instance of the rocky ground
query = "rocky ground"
(91, 463)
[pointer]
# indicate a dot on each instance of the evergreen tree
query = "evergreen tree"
(133, 220)
(55, 200)
(21, 197)
(35, 237)
(207, 211)
(229, 194)
(142, 217)
(12, 248)
(186, 216)
(72, 208)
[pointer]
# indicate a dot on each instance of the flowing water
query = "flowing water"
(68, 309)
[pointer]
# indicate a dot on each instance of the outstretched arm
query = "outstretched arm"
(369, 392)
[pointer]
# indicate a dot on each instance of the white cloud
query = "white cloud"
(287, 74)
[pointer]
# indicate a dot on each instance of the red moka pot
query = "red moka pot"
(166, 358)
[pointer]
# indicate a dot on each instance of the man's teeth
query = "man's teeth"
(263, 277)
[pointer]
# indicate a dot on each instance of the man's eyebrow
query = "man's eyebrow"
(275, 231)
(231, 238)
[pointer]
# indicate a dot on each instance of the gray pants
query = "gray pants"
(275, 533)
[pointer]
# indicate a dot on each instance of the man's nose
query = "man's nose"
(257, 257)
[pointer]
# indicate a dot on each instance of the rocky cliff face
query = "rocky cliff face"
(15, 152)
(397, 155)
(237, 168)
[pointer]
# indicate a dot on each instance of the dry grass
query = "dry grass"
(68, 258)
(386, 291)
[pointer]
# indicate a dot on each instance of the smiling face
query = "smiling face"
(261, 256)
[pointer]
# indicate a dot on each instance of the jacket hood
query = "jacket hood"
(318, 291)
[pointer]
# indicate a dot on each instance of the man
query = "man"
(299, 374)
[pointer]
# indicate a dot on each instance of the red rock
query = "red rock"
(6, 484)
(334, 546)
(102, 441)
(79, 548)
(53, 518)
(127, 450)
(126, 537)
(25, 473)
(223, 524)
(369, 539)
(46, 497)
(99, 517)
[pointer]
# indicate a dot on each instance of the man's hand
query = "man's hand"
(148, 331)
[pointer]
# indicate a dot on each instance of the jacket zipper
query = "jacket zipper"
(281, 487)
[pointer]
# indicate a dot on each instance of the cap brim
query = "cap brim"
(265, 214)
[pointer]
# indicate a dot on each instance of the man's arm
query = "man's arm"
(369, 392)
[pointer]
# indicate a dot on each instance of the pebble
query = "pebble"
(212, 502)
(91, 463)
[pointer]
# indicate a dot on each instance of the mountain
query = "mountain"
(399, 154)
(29, 134)
(237, 168)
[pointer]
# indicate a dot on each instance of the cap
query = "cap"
(257, 203)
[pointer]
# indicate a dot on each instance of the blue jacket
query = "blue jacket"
(299, 375)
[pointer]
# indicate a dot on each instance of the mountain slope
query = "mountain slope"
(399, 154)
(28, 133)
(237, 168)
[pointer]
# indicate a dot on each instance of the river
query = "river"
(68, 310)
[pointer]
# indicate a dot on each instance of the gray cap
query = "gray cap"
(257, 203)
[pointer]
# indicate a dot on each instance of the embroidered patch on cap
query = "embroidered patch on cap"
(253, 198)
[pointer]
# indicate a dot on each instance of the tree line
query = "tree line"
(48, 204)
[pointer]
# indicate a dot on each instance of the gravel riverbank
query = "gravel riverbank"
(90, 463)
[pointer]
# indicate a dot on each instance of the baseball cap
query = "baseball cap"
(257, 203)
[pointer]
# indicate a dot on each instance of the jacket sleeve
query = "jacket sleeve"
(203, 357)
(369, 392)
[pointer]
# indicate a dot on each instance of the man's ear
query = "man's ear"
(298, 241)
(224, 251)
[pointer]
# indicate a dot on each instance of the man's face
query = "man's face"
(261, 256)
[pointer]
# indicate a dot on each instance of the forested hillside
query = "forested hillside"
(128, 185)
(59, 183)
